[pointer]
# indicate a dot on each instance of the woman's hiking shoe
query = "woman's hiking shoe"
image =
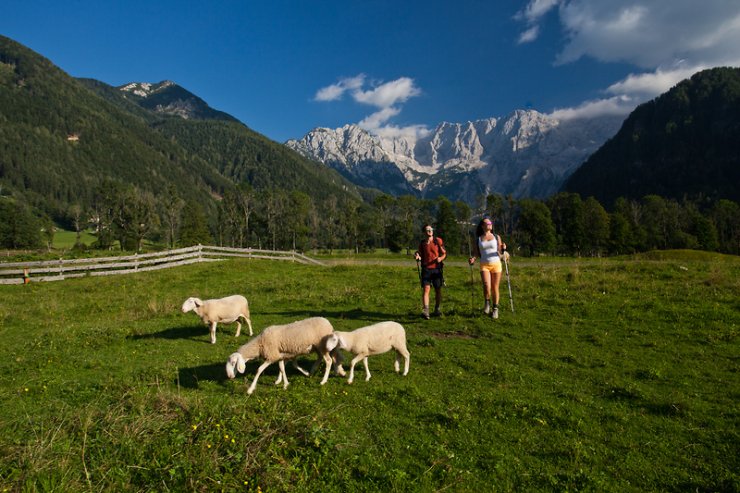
(494, 313)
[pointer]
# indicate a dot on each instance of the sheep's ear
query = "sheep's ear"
(230, 366)
(342, 342)
(241, 363)
(332, 341)
(197, 302)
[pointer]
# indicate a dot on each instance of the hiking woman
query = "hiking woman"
(489, 248)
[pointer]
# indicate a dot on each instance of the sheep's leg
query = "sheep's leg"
(249, 324)
(396, 363)
(327, 362)
(407, 359)
(213, 332)
(257, 375)
(281, 365)
(297, 367)
(355, 360)
(238, 328)
(336, 356)
(367, 369)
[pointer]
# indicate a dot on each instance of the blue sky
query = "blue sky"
(285, 67)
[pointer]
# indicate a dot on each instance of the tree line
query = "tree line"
(127, 217)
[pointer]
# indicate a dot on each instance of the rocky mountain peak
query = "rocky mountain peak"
(526, 153)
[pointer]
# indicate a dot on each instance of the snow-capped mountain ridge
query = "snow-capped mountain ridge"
(526, 154)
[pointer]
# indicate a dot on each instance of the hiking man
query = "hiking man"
(431, 254)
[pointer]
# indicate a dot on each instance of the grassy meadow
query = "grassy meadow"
(612, 375)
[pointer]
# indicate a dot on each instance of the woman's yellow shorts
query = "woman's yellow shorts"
(494, 267)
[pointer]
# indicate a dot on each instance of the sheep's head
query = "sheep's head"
(334, 340)
(237, 361)
(190, 304)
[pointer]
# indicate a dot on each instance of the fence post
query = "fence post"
(200, 252)
(136, 261)
(61, 268)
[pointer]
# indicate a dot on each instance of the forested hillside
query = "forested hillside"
(59, 142)
(61, 139)
(685, 143)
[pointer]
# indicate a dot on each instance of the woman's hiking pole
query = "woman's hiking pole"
(472, 281)
(508, 280)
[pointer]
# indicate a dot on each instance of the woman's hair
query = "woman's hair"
(424, 228)
(480, 229)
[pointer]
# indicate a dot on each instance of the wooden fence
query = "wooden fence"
(58, 270)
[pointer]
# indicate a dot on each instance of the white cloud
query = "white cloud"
(387, 96)
(335, 92)
(668, 40)
(529, 35)
(532, 13)
(377, 119)
(536, 9)
(652, 84)
(651, 33)
(616, 105)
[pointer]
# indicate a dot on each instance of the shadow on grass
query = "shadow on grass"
(216, 372)
(193, 332)
(190, 377)
(370, 317)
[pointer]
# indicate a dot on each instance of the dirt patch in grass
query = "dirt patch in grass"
(453, 335)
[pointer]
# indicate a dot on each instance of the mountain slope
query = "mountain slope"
(61, 138)
(686, 142)
(233, 149)
(526, 154)
(168, 98)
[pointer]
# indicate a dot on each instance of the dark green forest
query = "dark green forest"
(81, 155)
(684, 143)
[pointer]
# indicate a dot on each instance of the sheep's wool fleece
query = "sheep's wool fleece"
(295, 338)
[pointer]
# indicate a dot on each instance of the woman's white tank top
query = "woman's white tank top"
(488, 250)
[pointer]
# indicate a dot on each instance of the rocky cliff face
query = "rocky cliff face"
(526, 154)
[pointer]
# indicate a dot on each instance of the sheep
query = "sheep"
(281, 342)
(226, 310)
(368, 341)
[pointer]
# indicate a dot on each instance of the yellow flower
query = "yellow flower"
(195, 427)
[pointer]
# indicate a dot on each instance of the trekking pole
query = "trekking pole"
(472, 281)
(508, 281)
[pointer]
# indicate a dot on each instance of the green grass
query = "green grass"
(64, 239)
(613, 375)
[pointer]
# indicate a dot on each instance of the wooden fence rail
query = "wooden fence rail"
(58, 270)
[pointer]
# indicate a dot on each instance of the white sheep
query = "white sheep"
(368, 341)
(281, 342)
(226, 310)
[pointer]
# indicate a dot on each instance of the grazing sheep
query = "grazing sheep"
(368, 341)
(226, 310)
(281, 342)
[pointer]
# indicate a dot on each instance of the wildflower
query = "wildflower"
(195, 427)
